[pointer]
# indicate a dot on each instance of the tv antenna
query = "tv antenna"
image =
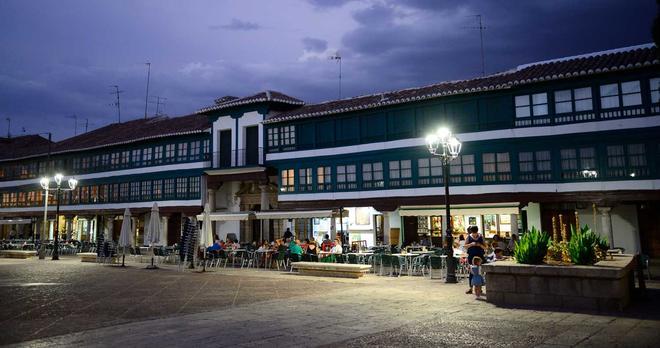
(337, 57)
(158, 103)
(75, 124)
(146, 98)
(116, 92)
(481, 29)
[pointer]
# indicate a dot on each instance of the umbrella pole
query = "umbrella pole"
(152, 266)
(204, 260)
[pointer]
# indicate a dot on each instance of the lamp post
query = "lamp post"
(45, 184)
(444, 145)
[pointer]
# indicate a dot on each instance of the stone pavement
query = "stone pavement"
(94, 305)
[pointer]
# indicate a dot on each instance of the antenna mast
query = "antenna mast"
(8, 127)
(337, 57)
(116, 92)
(146, 98)
(481, 29)
(158, 103)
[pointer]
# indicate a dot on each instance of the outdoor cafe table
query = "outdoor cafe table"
(234, 253)
(268, 254)
(409, 260)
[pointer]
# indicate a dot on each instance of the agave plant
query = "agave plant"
(583, 246)
(532, 247)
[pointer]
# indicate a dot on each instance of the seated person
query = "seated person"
(337, 248)
(327, 244)
(312, 248)
(496, 255)
(295, 249)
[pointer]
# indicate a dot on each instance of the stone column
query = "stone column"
(514, 225)
(265, 205)
(606, 224)
(333, 228)
(163, 236)
(386, 227)
(68, 226)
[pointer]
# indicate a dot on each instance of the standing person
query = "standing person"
(477, 278)
(512, 244)
(475, 248)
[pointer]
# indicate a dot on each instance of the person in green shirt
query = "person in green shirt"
(294, 248)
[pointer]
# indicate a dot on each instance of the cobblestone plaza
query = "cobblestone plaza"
(68, 303)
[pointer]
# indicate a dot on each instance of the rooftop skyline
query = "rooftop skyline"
(60, 60)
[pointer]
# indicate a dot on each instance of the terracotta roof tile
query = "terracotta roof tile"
(120, 133)
(261, 97)
(588, 64)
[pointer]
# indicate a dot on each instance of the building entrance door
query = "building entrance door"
(251, 146)
(225, 149)
(410, 230)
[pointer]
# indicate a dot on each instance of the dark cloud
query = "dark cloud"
(328, 3)
(314, 45)
(237, 24)
(57, 62)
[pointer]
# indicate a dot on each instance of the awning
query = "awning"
(293, 214)
(15, 221)
(228, 216)
(461, 209)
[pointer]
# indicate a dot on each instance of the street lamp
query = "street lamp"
(444, 145)
(45, 184)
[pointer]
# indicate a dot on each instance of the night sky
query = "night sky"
(59, 58)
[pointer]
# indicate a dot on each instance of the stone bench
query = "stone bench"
(323, 269)
(87, 257)
(18, 254)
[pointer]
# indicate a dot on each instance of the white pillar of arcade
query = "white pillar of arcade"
(386, 228)
(265, 205)
(606, 224)
(163, 231)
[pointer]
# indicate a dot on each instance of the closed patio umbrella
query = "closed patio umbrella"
(126, 235)
(152, 234)
(206, 235)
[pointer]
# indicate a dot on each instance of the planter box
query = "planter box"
(605, 286)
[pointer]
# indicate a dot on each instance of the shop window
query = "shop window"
(496, 166)
(429, 171)
(347, 177)
(400, 173)
(323, 178)
(535, 166)
(462, 170)
(288, 180)
(305, 179)
(372, 175)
